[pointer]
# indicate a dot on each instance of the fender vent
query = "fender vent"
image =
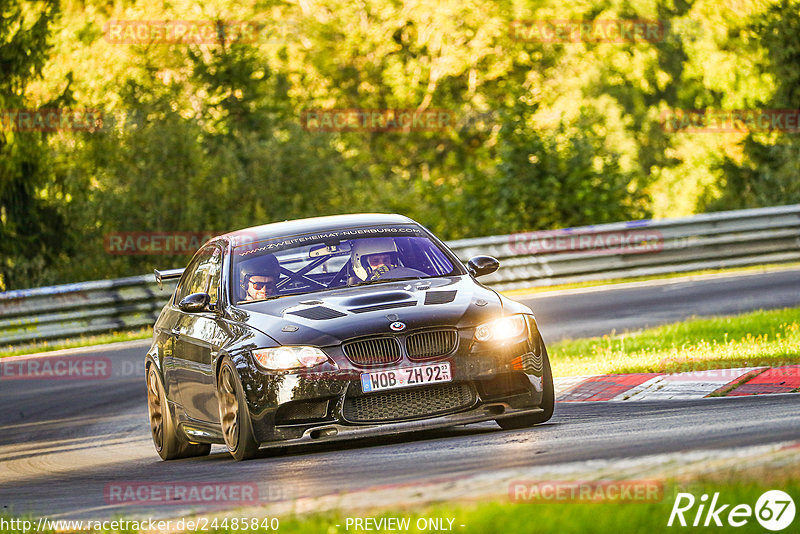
(532, 363)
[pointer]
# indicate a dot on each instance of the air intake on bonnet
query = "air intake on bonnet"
(386, 306)
(317, 313)
(439, 297)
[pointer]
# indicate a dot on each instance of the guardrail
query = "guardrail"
(640, 248)
(598, 252)
(85, 308)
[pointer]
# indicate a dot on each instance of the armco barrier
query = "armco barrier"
(707, 241)
(80, 309)
(634, 248)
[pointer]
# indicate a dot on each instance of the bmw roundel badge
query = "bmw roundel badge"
(397, 326)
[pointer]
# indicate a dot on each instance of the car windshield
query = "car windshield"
(342, 258)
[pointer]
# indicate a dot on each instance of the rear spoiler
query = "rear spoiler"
(167, 274)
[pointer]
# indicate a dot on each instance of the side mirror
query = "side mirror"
(196, 302)
(481, 265)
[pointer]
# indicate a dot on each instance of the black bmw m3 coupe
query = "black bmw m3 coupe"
(334, 328)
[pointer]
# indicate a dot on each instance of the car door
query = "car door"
(199, 338)
(167, 333)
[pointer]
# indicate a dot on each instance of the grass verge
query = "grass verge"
(82, 341)
(761, 338)
(563, 517)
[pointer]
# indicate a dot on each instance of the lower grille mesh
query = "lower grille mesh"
(409, 403)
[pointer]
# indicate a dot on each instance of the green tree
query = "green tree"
(768, 173)
(551, 179)
(32, 236)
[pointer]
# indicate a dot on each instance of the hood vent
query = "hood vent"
(317, 313)
(387, 306)
(439, 297)
(377, 297)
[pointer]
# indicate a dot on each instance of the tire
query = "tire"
(234, 416)
(548, 403)
(169, 444)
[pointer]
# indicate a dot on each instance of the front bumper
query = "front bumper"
(296, 408)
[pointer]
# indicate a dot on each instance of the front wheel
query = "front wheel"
(169, 444)
(234, 415)
(548, 403)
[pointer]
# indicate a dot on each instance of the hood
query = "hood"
(330, 317)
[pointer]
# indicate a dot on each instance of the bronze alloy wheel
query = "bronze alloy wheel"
(168, 442)
(155, 408)
(233, 414)
(228, 408)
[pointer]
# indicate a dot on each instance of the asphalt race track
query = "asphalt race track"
(594, 313)
(63, 443)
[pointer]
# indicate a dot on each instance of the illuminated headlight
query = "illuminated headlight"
(501, 329)
(289, 357)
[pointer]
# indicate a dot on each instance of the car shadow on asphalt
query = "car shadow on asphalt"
(463, 431)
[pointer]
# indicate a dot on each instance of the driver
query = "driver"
(373, 257)
(259, 277)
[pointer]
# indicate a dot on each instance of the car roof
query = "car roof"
(315, 224)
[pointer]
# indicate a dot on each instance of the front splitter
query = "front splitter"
(338, 432)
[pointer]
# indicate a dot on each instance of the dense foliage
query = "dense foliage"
(209, 137)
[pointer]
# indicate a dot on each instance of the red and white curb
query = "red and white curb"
(691, 385)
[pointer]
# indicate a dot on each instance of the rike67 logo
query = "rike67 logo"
(774, 510)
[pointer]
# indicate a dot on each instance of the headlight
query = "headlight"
(501, 329)
(289, 357)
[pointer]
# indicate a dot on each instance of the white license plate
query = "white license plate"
(405, 377)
